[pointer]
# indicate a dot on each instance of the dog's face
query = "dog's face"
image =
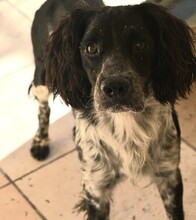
(114, 58)
(117, 54)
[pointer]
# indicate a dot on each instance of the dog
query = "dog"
(122, 70)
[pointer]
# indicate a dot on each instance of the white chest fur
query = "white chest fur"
(127, 136)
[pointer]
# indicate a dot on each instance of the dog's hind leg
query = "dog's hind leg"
(39, 35)
(40, 144)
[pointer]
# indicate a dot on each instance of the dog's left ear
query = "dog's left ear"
(174, 69)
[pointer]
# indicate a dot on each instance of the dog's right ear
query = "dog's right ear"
(64, 71)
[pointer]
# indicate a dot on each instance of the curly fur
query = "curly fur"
(122, 69)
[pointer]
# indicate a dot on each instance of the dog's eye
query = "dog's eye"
(140, 45)
(92, 49)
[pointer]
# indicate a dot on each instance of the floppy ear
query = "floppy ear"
(64, 71)
(174, 69)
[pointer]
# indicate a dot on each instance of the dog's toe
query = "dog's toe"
(40, 152)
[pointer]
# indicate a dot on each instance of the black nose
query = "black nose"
(115, 88)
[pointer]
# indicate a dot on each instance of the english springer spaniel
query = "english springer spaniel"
(122, 69)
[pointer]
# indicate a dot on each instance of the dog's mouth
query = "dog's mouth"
(117, 108)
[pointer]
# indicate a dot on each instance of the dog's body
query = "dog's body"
(122, 70)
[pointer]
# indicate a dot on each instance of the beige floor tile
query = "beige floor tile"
(3, 180)
(14, 207)
(26, 7)
(187, 117)
(188, 167)
(16, 49)
(18, 114)
(61, 142)
(54, 190)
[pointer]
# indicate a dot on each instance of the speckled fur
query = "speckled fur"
(40, 143)
(127, 145)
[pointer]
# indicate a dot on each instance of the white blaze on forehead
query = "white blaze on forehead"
(122, 2)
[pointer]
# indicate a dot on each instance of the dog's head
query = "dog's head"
(117, 57)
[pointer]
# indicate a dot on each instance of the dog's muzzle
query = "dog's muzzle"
(118, 94)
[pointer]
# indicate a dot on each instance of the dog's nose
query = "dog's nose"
(115, 88)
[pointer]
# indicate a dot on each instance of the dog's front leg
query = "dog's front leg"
(100, 175)
(97, 190)
(95, 208)
(171, 191)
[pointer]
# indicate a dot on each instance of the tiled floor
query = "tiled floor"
(49, 190)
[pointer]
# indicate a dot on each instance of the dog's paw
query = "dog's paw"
(40, 153)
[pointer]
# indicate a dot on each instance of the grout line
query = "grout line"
(42, 166)
(13, 182)
(18, 10)
(24, 196)
(188, 144)
(46, 164)
(7, 184)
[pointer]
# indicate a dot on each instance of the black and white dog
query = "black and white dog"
(121, 69)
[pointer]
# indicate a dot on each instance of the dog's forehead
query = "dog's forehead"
(119, 18)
